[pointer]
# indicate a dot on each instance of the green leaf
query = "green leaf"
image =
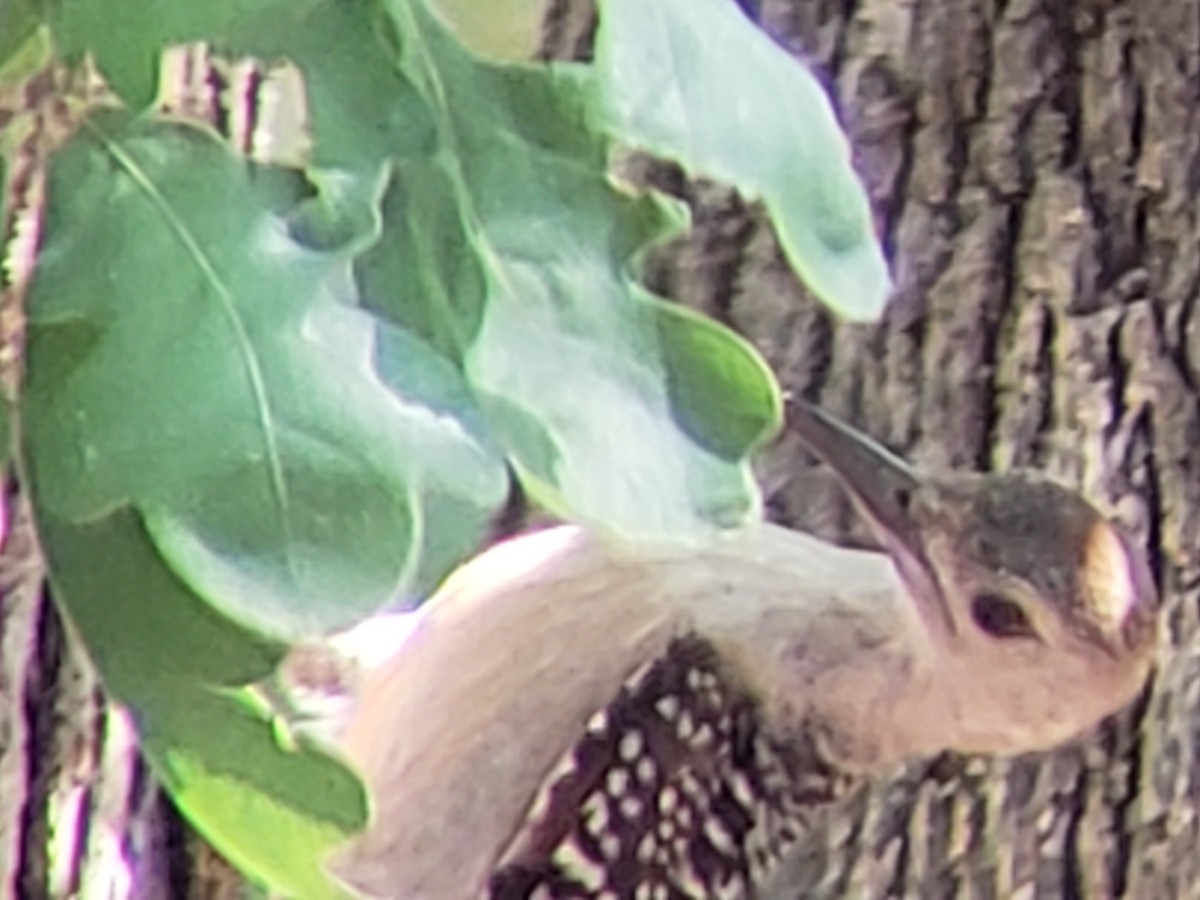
(19, 19)
(695, 81)
(23, 46)
(709, 381)
(360, 107)
(188, 358)
(510, 251)
(496, 165)
(274, 811)
(499, 29)
(125, 38)
(361, 110)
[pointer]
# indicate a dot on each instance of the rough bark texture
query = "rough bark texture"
(1034, 167)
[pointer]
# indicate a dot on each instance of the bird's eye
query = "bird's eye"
(1000, 617)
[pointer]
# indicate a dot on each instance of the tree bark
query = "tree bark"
(1032, 167)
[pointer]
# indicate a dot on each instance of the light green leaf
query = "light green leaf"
(695, 81)
(19, 20)
(498, 29)
(23, 42)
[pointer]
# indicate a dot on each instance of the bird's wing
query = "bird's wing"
(673, 791)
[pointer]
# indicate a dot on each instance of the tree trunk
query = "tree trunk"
(1032, 168)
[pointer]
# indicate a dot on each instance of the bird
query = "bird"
(574, 715)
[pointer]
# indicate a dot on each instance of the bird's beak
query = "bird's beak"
(882, 486)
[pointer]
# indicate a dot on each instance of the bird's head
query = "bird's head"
(1041, 616)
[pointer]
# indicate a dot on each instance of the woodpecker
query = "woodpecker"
(577, 716)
